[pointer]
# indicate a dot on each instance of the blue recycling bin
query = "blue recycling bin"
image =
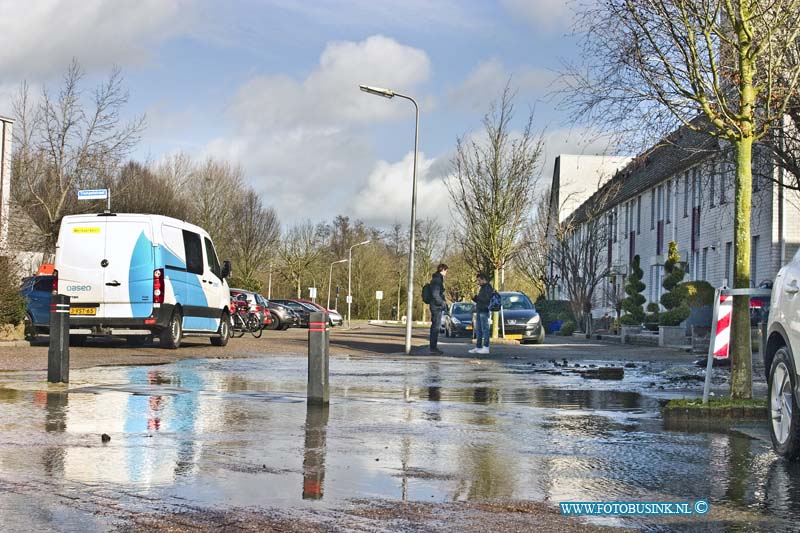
(555, 326)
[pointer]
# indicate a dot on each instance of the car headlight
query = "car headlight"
(534, 320)
(455, 321)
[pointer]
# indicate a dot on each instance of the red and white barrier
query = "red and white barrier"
(722, 337)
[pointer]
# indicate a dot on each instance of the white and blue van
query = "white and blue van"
(136, 275)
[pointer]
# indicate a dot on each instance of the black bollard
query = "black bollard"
(318, 356)
(58, 353)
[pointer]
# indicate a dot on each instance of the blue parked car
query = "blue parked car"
(38, 290)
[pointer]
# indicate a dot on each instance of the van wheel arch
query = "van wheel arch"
(775, 342)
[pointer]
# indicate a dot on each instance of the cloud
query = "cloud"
(41, 37)
(547, 16)
(386, 198)
(485, 83)
(304, 143)
(330, 95)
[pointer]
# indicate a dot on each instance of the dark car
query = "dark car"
(283, 318)
(459, 321)
(302, 311)
(37, 290)
(520, 319)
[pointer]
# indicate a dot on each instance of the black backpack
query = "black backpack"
(426, 293)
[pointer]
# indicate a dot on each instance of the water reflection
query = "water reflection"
(314, 456)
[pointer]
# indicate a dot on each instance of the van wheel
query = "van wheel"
(224, 331)
(171, 335)
(783, 408)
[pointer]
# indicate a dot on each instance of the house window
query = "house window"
(652, 209)
(669, 202)
(704, 264)
(638, 215)
(694, 267)
(754, 262)
(722, 184)
(627, 218)
(728, 263)
(686, 195)
(711, 182)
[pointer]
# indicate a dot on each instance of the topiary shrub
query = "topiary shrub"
(674, 300)
(12, 304)
(632, 304)
(567, 329)
(699, 293)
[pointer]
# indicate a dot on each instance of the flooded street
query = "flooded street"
(220, 435)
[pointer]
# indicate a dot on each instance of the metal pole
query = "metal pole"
(269, 290)
(330, 279)
(413, 227)
(318, 392)
(349, 284)
(712, 335)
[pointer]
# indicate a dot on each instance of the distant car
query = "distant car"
(38, 291)
(283, 318)
(255, 303)
(334, 318)
(520, 319)
(302, 311)
(459, 321)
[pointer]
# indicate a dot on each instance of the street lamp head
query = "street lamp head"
(340, 261)
(365, 242)
(377, 91)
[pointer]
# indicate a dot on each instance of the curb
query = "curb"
(14, 344)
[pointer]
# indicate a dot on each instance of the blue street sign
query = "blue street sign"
(93, 194)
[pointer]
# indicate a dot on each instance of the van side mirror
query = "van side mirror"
(226, 269)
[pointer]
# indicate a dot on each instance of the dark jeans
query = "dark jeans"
(482, 331)
(436, 320)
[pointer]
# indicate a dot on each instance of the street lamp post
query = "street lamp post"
(349, 278)
(387, 93)
(330, 279)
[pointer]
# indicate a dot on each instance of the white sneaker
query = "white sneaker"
(483, 351)
(474, 350)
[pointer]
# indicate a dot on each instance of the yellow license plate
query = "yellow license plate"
(514, 337)
(469, 328)
(83, 310)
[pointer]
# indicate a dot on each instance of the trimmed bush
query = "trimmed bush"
(550, 310)
(632, 304)
(12, 304)
(699, 293)
(567, 329)
(674, 300)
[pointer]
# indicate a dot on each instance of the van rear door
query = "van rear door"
(128, 271)
(79, 257)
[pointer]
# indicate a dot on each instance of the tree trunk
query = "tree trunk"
(740, 348)
(496, 314)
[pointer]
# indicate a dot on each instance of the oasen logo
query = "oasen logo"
(78, 288)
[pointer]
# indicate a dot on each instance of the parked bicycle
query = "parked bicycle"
(243, 320)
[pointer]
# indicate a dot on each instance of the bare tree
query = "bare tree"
(254, 233)
(299, 250)
(532, 260)
(137, 189)
(63, 144)
(653, 64)
(492, 188)
(578, 250)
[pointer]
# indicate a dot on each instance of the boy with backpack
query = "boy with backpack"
(433, 295)
(484, 301)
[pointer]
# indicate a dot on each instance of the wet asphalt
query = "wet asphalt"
(234, 436)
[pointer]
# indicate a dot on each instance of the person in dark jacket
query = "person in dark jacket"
(438, 305)
(482, 300)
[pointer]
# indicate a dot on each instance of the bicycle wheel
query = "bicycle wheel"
(238, 328)
(254, 326)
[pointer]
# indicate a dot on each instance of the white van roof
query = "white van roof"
(155, 219)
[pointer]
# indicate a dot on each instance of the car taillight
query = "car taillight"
(158, 286)
(55, 281)
(258, 309)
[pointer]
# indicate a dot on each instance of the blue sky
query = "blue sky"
(272, 85)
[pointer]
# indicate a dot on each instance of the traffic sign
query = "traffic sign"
(312, 292)
(379, 295)
(349, 299)
(93, 194)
